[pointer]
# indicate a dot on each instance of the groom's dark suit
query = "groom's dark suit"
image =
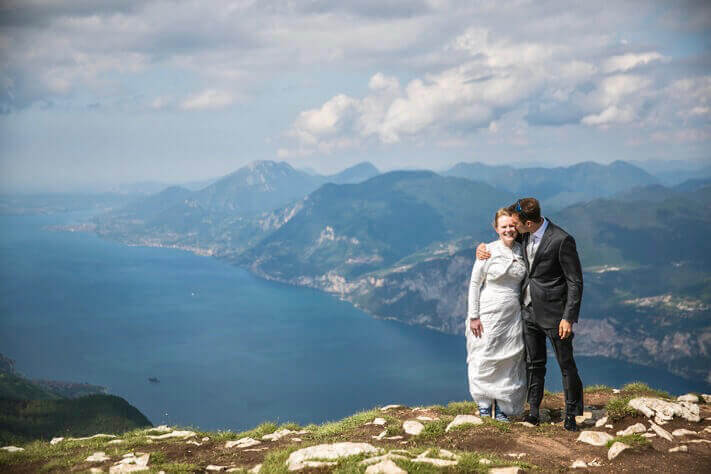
(556, 288)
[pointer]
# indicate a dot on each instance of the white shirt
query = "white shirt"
(535, 239)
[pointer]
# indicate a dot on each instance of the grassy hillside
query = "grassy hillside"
(24, 420)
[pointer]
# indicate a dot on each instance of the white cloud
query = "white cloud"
(610, 115)
(625, 62)
(207, 99)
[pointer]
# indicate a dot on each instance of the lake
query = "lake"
(229, 350)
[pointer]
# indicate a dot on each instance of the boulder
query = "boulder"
(12, 449)
(426, 418)
(683, 432)
(601, 422)
(636, 428)
(390, 407)
(587, 415)
(385, 467)
(706, 397)
(98, 456)
(301, 458)
(689, 397)
(679, 449)
(595, 438)
(174, 434)
(464, 420)
(616, 449)
(578, 464)
(391, 456)
(649, 435)
(663, 410)
(413, 427)
(160, 429)
(661, 432)
(277, 435)
(435, 461)
(242, 443)
(378, 422)
(56, 440)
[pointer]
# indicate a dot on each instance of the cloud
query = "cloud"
(625, 62)
(207, 99)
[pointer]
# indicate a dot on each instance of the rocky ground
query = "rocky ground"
(634, 429)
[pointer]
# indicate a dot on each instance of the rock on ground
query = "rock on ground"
(661, 432)
(679, 449)
(464, 420)
(689, 397)
(601, 422)
(12, 449)
(242, 443)
(683, 432)
(664, 410)
(636, 428)
(385, 467)
(505, 470)
(616, 449)
(98, 456)
(435, 461)
(413, 427)
(174, 434)
(595, 438)
(301, 458)
(578, 464)
(390, 407)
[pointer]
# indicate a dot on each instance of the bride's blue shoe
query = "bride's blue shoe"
(483, 412)
(500, 415)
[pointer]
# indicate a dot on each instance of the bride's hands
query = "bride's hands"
(476, 327)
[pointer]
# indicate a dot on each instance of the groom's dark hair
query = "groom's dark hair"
(528, 209)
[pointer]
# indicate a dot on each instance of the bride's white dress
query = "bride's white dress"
(496, 360)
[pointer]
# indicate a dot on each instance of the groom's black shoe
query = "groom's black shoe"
(533, 420)
(570, 423)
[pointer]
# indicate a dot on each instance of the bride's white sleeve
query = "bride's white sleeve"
(475, 283)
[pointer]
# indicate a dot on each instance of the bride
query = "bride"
(495, 350)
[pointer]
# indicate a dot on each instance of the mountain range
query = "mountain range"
(399, 245)
(561, 186)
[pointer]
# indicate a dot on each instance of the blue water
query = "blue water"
(230, 350)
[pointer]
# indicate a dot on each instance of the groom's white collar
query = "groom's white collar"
(538, 235)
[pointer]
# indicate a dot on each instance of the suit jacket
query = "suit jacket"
(555, 278)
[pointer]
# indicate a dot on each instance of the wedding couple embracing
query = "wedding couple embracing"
(525, 287)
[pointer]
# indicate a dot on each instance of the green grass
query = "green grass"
(617, 408)
(434, 429)
(642, 389)
(458, 408)
(336, 428)
(597, 388)
(633, 440)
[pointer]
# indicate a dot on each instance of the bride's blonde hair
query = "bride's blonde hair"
(501, 212)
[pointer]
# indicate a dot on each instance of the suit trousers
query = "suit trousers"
(536, 356)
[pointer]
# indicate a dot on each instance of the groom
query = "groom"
(550, 297)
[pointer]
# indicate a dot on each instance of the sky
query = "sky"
(98, 93)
